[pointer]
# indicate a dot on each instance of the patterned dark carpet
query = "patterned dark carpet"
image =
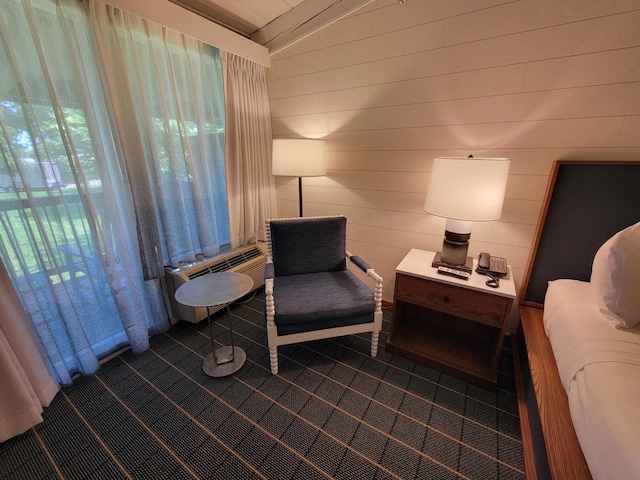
(332, 412)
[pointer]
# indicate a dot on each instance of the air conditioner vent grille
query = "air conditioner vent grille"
(221, 267)
(249, 260)
(228, 263)
(253, 253)
(199, 274)
(236, 260)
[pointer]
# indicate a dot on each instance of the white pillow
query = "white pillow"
(615, 277)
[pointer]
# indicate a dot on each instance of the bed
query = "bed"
(580, 373)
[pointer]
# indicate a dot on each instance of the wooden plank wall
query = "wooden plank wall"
(396, 84)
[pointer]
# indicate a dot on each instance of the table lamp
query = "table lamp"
(293, 157)
(464, 190)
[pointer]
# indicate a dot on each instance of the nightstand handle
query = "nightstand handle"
(446, 299)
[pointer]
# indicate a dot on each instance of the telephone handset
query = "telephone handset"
(494, 267)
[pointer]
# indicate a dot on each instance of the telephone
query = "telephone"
(494, 267)
(489, 264)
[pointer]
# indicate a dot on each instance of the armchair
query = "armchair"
(310, 293)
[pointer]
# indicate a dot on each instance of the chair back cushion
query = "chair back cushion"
(308, 245)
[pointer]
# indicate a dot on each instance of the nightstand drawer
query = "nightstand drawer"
(461, 302)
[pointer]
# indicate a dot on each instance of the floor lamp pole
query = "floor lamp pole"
(300, 193)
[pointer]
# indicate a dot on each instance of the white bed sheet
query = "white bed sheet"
(599, 366)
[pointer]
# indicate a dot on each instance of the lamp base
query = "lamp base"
(466, 267)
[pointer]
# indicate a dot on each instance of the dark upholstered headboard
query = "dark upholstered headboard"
(586, 203)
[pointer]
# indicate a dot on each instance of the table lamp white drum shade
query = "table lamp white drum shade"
(469, 189)
(465, 190)
(294, 157)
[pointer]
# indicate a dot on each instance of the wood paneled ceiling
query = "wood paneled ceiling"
(273, 23)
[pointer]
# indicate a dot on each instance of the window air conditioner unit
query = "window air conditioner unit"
(249, 260)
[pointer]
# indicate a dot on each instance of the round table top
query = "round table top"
(214, 289)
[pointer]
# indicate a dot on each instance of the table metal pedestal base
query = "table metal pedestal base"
(220, 288)
(228, 366)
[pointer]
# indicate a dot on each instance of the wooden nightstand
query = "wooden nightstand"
(453, 325)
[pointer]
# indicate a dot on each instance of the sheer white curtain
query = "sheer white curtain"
(27, 385)
(112, 163)
(166, 89)
(67, 225)
(251, 186)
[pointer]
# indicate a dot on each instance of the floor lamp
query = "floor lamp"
(297, 157)
(464, 190)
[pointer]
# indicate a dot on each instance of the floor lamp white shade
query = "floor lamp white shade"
(298, 157)
(465, 190)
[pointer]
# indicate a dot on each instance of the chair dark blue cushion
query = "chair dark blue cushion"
(300, 307)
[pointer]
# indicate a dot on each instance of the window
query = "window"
(69, 224)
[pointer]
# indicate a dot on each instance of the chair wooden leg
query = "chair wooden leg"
(273, 358)
(374, 343)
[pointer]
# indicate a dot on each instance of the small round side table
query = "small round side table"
(217, 289)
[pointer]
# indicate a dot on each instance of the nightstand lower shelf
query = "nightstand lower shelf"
(447, 343)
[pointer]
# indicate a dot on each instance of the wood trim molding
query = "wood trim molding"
(303, 20)
(523, 412)
(538, 234)
(174, 16)
(565, 456)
